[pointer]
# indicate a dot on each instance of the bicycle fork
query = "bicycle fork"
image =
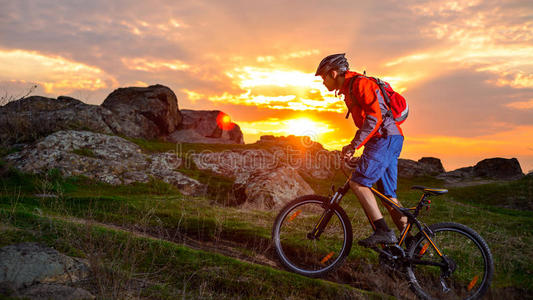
(321, 225)
(328, 212)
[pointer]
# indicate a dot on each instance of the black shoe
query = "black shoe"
(379, 237)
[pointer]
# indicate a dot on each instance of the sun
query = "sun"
(224, 121)
(305, 127)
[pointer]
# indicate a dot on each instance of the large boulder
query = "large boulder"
(269, 188)
(26, 264)
(485, 171)
(106, 158)
(432, 165)
(408, 168)
(426, 166)
(302, 153)
(232, 163)
(141, 112)
(498, 168)
(46, 291)
(28, 119)
(206, 126)
(144, 112)
(457, 175)
(262, 180)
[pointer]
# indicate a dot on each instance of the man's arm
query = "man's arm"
(370, 96)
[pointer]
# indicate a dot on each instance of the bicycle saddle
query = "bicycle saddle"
(431, 191)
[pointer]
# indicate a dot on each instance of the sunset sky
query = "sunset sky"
(465, 67)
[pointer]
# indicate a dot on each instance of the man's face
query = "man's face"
(328, 81)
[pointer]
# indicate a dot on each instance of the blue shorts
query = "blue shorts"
(379, 163)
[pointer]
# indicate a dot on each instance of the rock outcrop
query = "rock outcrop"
(426, 166)
(31, 269)
(110, 159)
(262, 180)
(141, 112)
(235, 163)
(206, 126)
(490, 168)
(46, 291)
(432, 165)
(269, 188)
(499, 168)
(34, 117)
(301, 153)
(144, 112)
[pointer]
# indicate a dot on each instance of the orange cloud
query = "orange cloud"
(154, 65)
(292, 55)
(518, 80)
(279, 89)
(55, 73)
(521, 104)
(300, 54)
(136, 83)
(143, 28)
(484, 41)
(443, 7)
(192, 95)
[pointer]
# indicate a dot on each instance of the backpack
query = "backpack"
(398, 107)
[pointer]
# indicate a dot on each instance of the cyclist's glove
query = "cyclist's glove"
(348, 151)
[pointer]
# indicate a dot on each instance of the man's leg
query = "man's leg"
(382, 234)
(399, 220)
(367, 200)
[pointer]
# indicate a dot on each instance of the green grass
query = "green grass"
(119, 259)
(485, 208)
(219, 188)
(153, 146)
(8, 150)
(158, 208)
(144, 206)
(516, 195)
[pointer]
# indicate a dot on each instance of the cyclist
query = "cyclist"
(381, 137)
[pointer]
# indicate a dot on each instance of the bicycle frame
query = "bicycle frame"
(407, 255)
(410, 213)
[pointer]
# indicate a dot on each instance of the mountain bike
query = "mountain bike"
(312, 236)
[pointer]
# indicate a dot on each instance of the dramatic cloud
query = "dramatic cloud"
(466, 67)
(55, 74)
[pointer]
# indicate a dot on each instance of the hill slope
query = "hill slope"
(151, 240)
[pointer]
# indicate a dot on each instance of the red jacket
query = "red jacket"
(368, 112)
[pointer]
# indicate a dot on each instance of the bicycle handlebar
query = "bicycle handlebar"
(348, 164)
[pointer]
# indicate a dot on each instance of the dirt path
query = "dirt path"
(221, 246)
(358, 273)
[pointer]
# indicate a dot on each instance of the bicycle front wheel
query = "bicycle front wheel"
(463, 272)
(302, 254)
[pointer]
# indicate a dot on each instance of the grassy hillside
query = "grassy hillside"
(161, 244)
(125, 265)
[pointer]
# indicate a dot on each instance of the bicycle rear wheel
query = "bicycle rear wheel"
(465, 272)
(306, 256)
